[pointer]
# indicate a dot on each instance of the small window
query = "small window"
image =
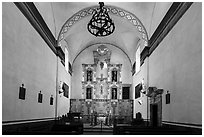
(70, 68)
(66, 60)
(137, 60)
(51, 100)
(133, 69)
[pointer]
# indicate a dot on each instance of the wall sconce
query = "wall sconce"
(143, 90)
(167, 97)
(60, 91)
(60, 87)
(140, 102)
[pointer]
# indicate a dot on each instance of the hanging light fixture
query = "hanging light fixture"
(101, 24)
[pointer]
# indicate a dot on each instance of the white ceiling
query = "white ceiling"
(125, 36)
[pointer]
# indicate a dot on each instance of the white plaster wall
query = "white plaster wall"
(176, 66)
(63, 102)
(27, 59)
(137, 78)
(86, 57)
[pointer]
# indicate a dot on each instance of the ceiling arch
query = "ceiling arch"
(111, 9)
(70, 19)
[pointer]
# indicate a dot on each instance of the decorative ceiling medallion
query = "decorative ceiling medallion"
(101, 24)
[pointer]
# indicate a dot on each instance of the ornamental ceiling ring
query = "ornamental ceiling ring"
(110, 9)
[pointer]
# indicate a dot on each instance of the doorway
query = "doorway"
(154, 115)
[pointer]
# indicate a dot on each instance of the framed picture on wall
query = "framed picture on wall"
(138, 88)
(22, 92)
(40, 97)
(51, 100)
(65, 89)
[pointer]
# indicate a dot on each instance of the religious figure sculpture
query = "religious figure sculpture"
(114, 93)
(114, 76)
(89, 75)
(88, 93)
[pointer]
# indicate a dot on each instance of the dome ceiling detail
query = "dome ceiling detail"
(112, 10)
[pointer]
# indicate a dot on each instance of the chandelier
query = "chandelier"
(101, 24)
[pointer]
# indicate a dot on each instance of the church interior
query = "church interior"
(108, 68)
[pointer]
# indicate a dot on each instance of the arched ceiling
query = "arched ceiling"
(125, 36)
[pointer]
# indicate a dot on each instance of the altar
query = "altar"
(102, 90)
(102, 118)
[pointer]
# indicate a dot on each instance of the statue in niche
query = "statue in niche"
(88, 93)
(114, 76)
(114, 93)
(89, 75)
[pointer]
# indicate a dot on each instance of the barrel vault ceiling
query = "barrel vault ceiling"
(126, 37)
